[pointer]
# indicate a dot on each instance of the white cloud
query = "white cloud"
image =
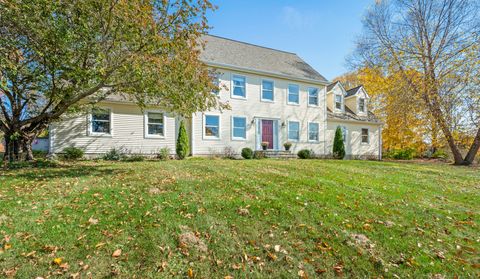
(296, 19)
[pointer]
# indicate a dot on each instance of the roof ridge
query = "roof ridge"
(246, 43)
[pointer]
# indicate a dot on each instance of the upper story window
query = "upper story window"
(338, 102)
(100, 121)
(216, 82)
(293, 130)
(267, 90)
(239, 128)
(313, 96)
(365, 136)
(313, 131)
(293, 94)
(361, 105)
(239, 87)
(211, 127)
(154, 124)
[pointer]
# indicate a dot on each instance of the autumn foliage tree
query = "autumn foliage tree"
(55, 55)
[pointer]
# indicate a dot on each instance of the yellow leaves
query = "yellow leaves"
(190, 273)
(57, 261)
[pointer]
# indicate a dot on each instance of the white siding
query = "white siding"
(253, 108)
(127, 132)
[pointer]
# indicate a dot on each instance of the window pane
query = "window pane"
(100, 127)
(267, 85)
(313, 131)
(100, 114)
(101, 121)
(155, 118)
(267, 95)
(293, 130)
(338, 101)
(211, 131)
(212, 123)
(239, 133)
(239, 86)
(239, 122)
(239, 91)
(155, 129)
(361, 105)
(212, 120)
(293, 95)
(313, 96)
(267, 90)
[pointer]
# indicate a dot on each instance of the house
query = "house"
(275, 97)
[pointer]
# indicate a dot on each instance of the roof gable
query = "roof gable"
(239, 54)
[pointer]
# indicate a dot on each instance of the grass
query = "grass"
(256, 218)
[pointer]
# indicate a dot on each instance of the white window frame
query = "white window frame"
(364, 105)
(288, 130)
(368, 136)
(145, 124)
(232, 128)
(335, 102)
(273, 91)
(288, 94)
(318, 132)
(318, 97)
(204, 136)
(90, 121)
(232, 95)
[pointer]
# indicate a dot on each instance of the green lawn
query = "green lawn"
(246, 219)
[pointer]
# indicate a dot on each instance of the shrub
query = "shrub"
(164, 154)
(439, 154)
(338, 144)
(114, 155)
(259, 154)
(134, 158)
(305, 154)
(229, 153)
(182, 148)
(247, 153)
(39, 153)
(73, 153)
(400, 154)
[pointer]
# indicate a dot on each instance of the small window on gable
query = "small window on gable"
(313, 131)
(239, 87)
(338, 102)
(100, 121)
(365, 136)
(293, 130)
(313, 96)
(361, 105)
(239, 128)
(293, 94)
(154, 124)
(212, 126)
(267, 90)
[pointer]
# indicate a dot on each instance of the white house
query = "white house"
(274, 97)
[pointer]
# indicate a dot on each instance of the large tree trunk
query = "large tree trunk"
(473, 149)
(27, 148)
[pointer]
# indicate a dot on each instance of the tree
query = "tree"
(439, 42)
(182, 142)
(56, 56)
(338, 144)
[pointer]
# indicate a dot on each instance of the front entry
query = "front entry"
(267, 132)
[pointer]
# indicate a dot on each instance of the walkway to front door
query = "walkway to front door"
(267, 132)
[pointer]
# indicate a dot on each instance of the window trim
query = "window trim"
(368, 136)
(288, 131)
(145, 124)
(204, 136)
(90, 121)
(273, 91)
(318, 132)
(232, 95)
(341, 102)
(318, 97)
(288, 94)
(232, 127)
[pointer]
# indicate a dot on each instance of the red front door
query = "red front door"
(267, 132)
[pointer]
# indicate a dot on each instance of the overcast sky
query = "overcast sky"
(322, 32)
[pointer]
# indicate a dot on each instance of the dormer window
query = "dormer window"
(361, 105)
(338, 102)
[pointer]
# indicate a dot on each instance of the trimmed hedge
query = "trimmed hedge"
(247, 153)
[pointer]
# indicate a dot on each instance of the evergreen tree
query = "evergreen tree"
(182, 142)
(338, 145)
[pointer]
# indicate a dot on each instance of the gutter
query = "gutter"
(354, 121)
(266, 73)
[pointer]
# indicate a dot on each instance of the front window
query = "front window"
(344, 133)
(313, 96)
(239, 89)
(267, 90)
(361, 105)
(212, 126)
(313, 131)
(239, 128)
(365, 136)
(293, 94)
(338, 102)
(101, 121)
(155, 125)
(294, 130)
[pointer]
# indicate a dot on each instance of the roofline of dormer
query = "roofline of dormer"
(338, 83)
(360, 87)
(265, 73)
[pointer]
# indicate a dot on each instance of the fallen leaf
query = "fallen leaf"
(190, 273)
(57, 261)
(117, 253)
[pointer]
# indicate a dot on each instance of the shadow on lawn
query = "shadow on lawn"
(63, 171)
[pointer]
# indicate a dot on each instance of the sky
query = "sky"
(322, 32)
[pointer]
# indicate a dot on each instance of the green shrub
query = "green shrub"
(73, 153)
(338, 144)
(164, 154)
(439, 154)
(247, 153)
(305, 154)
(134, 158)
(400, 154)
(182, 147)
(39, 153)
(114, 155)
(259, 154)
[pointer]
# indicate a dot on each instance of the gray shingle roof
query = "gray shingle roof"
(353, 91)
(332, 85)
(350, 115)
(224, 51)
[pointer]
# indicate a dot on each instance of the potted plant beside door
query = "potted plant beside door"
(287, 145)
(264, 145)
